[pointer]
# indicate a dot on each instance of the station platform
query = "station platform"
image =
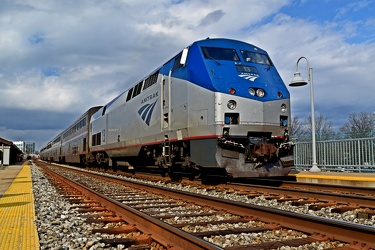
(17, 211)
(337, 178)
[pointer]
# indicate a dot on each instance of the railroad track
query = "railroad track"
(314, 194)
(200, 221)
(101, 209)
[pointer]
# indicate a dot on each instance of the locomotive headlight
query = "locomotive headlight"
(232, 104)
(252, 91)
(283, 108)
(260, 93)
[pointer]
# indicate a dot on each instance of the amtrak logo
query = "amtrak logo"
(146, 112)
(249, 77)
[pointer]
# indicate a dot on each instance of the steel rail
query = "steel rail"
(360, 200)
(165, 234)
(334, 229)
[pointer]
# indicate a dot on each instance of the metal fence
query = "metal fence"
(349, 155)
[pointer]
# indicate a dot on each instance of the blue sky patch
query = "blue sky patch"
(36, 38)
(51, 71)
(353, 19)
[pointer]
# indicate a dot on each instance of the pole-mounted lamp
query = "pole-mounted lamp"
(299, 81)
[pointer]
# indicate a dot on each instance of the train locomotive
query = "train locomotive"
(219, 107)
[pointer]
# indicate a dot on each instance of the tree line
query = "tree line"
(359, 125)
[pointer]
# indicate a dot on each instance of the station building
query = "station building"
(9, 153)
(26, 147)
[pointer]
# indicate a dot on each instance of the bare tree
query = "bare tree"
(296, 128)
(359, 125)
(323, 129)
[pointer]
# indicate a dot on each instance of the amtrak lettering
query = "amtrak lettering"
(150, 97)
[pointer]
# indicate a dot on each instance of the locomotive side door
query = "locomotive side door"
(166, 90)
(166, 101)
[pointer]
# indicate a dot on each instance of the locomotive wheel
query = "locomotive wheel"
(175, 173)
(175, 177)
(213, 176)
(192, 177)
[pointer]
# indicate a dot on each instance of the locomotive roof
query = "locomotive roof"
(227, 43)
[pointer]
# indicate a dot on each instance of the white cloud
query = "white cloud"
(65, 56)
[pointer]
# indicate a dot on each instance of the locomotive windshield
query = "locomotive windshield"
(220, 54)
(255, 57)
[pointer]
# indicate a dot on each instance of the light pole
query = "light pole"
(296, 82)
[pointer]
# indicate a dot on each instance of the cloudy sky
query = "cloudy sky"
(60, 57)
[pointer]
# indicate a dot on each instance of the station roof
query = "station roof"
(13, 147)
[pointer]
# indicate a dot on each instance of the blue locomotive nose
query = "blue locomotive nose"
(236, 68)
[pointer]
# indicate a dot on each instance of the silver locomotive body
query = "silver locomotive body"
(212, 107)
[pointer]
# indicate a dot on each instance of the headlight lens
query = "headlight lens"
(232, 104)
(260, 93)
(256, 92)
(252, 91)
(283, 108)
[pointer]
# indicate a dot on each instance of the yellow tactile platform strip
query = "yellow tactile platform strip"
(17, 214)
(370, 177)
